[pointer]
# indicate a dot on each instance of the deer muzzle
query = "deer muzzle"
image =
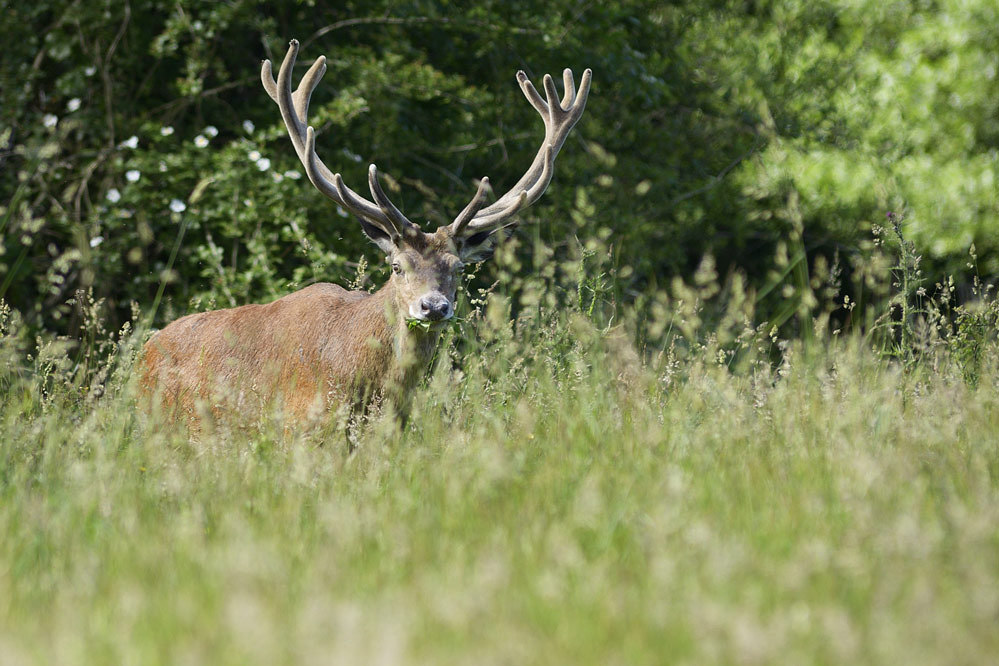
(434, 306)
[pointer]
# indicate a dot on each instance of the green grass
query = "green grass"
(554, 501)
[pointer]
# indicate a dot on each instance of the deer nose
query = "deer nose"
(435, 307)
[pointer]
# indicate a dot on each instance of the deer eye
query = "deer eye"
(396, 268)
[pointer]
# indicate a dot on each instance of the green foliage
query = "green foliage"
(727, 128)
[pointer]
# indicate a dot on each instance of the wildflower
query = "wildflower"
(162, 167)
(211, 131)
(263, 164)
(90, 71)
(276, 176)
(254, 155)
(291, 173)
(96, 240)
(130, 142)
(166, 130)
(73, 104)
(178, 206)
(248, 126)
(132, 175)
(113, 195)
(341, 212)
(50, 120)
(200, 141)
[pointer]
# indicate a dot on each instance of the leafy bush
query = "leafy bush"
(726, 128)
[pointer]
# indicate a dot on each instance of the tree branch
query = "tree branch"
(412, 20)
(717, 179)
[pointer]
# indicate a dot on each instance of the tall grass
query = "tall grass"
(714, 494)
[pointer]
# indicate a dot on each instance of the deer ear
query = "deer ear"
(479, 247)
(379, 237)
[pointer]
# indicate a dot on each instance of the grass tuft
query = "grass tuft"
(714, 494)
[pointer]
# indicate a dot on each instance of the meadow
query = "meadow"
(559, 495)
(708, 405)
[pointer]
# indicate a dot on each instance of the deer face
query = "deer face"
(425, 274)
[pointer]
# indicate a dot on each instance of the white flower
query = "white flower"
(113, 195)
(132, 175)
(248, 126)
(200, 141)
(263, 164)
(254, 155)
(276, 176)
(50, 120)
(178, 206)
(341, 212)
(73, 104)
(212, 131)
(89, 71)
(166, 131)
(130, 142)
(96, 240)
(163, 167)
(294, 175)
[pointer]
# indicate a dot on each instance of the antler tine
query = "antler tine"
(295, 124)
(473, 207)
(394, 214)
(294, 108)
(493, 215)
(267, 78)
(303, 94)
(570, 87)
(540, 105)
(484, 222)
(559, 117)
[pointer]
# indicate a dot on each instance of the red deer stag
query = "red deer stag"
(325, 345)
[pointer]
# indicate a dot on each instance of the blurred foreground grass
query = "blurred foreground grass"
(557, 500)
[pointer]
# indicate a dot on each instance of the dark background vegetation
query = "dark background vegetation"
(744, 130)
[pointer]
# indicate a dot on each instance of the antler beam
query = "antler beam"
(295, 110)
(559, 116)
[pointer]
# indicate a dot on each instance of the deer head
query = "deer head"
(425, 266)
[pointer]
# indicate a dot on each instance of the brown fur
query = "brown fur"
(318, 347)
